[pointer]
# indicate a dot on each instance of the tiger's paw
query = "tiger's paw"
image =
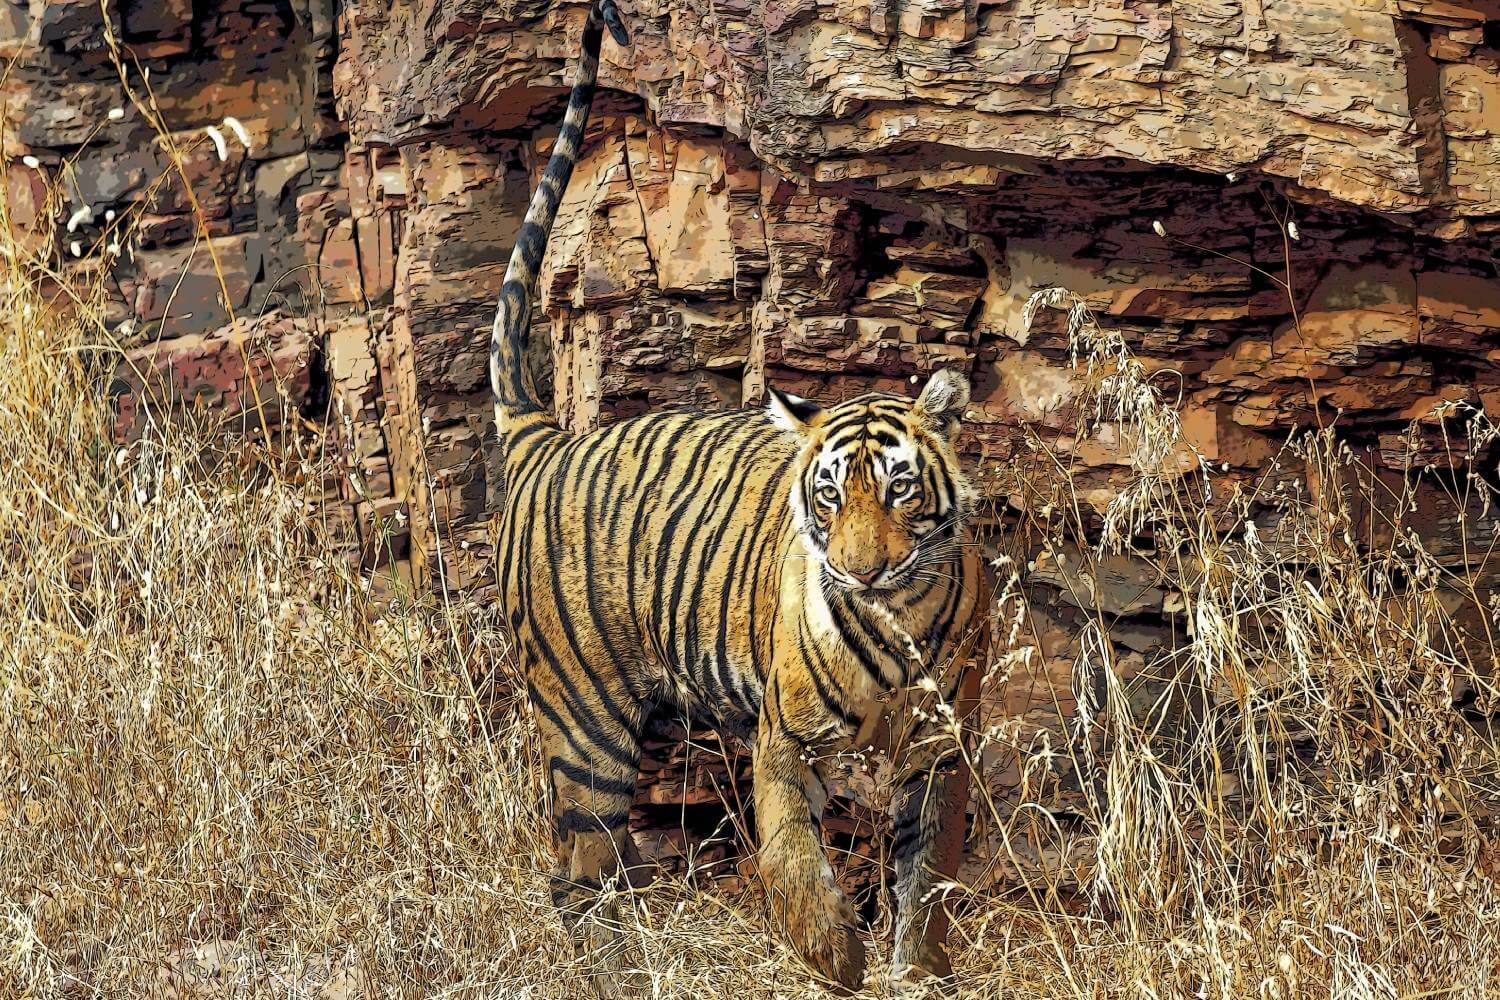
(924, 964)
(838, 956)
(610, 955)
(823, 934)
(621, 984)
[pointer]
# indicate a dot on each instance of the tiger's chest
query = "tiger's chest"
(850, 672)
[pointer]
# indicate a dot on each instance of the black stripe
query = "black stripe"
(945, 487)
(582, 719)
(937, 634)
(854, 642)
(845, 420)
(609, 455)
(873, 629)
(647, 488)
(612, 19)
(642, 428)
(574, 820)
(553, 528)
(712, 506)
(909, 844)
(624, 754)
(773, 535)
(531, 244)
(834, 445)
(514, 577)
(666, 543)
(575, 702)
(910, 818)
(757, 529)
(513, 455)
(725, 510)
(568, 734)
(591, 779)
(882, 433)
(817, 671)
(668, 602)
(918, 595)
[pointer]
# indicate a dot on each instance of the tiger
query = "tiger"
(797, 573)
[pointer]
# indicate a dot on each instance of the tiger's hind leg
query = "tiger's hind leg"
(591, 750)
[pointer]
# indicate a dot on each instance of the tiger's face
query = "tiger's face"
(880, 497)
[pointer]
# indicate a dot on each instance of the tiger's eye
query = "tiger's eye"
(828, 495)
(900, 489)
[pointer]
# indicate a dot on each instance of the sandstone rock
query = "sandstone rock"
(244, 379)
(191, 289)
(1322, 94)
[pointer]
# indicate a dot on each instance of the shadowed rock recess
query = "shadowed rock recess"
(827, 196)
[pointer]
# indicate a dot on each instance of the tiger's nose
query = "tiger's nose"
(867, 577)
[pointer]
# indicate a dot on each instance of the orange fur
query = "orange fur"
(790, 573)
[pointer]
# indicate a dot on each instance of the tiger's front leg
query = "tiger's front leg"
(929, 812)
(805, 898)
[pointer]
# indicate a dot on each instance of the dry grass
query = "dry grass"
(231, 766)
(1300, 808)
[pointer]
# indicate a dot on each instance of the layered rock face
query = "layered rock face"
(830, 197)
(838, 197)
(278, 296)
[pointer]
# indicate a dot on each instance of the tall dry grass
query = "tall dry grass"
(1303, 803)
(231, 766)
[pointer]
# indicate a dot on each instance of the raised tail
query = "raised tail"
(513, 316)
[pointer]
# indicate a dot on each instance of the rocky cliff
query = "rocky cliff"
(840, 196)
(826, 196)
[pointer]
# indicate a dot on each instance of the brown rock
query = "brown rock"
(242, 378)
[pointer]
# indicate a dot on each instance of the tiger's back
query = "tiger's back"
(654, 545)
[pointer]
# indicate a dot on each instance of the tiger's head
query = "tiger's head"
(879, 495)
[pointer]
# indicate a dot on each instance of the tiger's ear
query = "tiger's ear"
(943, 399)
(793, 413)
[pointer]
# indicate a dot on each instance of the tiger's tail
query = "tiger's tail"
(513, 315)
